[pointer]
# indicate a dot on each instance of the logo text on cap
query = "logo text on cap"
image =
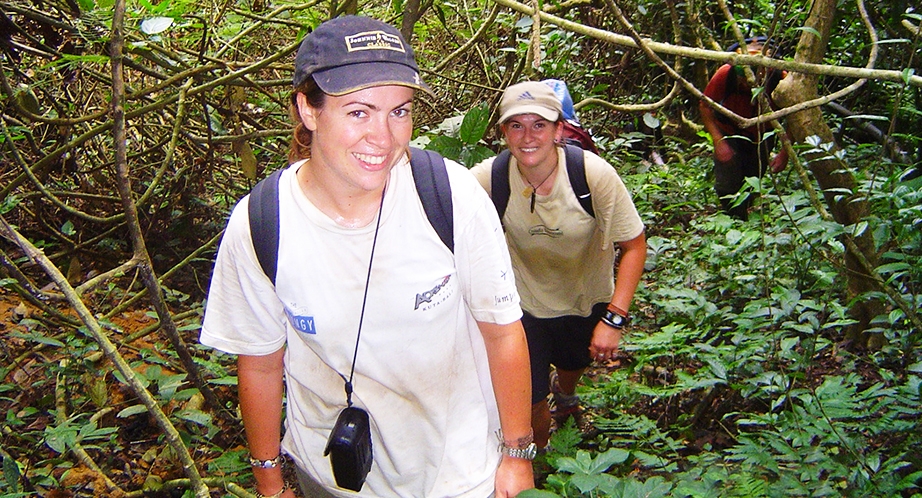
(374, 40)
(526, 96)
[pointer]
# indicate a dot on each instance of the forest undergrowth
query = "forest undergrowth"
(735, 379)
(731, 381)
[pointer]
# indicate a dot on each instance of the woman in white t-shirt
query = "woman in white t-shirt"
(563, 257)
(367, 291)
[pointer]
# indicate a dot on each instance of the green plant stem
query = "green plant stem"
(60, 415)
(96, 331)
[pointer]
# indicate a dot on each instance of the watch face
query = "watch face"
(531, 451)
(617, 319)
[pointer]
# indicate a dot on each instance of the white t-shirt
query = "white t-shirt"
(563, 257)
(421, 370)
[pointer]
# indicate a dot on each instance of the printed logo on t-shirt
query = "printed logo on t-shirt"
(505, 299)
(432, 297)
(544, 230)
(301, 323)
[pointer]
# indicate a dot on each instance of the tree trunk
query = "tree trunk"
(832, 174)
(411, 14)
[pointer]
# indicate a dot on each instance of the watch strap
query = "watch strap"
(614, 319)
(526, 453)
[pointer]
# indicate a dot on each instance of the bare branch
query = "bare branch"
(713, 55)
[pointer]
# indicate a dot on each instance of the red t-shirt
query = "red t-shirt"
(729, 88)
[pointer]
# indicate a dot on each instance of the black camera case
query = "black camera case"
(349, 448)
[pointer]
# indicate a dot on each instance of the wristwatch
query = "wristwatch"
(615, 320)
(528, 452)
(524, 447)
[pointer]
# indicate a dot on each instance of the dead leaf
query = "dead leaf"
(247, 158)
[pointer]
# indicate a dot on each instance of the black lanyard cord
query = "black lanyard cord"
(358, 335)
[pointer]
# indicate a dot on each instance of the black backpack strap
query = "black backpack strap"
(499, 182)
(263, 211)
(576, 170)
(431, 179)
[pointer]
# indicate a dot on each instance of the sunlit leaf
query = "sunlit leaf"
(132, 410)
(155, 25)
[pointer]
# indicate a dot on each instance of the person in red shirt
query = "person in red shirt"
(739, 153)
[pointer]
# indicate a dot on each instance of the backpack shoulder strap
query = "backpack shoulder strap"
(499, 182)
(263, 212)
(576, 170)
(431, 178)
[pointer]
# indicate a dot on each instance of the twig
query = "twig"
(60, 403)
(124, 188)
(487, 23)
(171, 435)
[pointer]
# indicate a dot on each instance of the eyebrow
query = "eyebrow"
(374, 107)
(514, 120)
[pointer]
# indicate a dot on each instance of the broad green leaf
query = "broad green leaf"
(475, 124)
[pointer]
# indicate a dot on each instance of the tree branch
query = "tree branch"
(713, 55)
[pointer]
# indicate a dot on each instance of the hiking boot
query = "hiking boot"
(562, 405)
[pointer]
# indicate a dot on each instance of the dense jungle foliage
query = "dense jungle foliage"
(779, 356)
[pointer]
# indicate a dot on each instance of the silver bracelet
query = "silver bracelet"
(266, 464)
(276, 495)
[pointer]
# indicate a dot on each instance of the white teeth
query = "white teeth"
(369, 158)
(530, 149)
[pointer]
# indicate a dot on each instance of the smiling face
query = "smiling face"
(358, 137)
(531, 139)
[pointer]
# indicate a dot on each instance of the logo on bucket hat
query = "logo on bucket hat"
(351, 53)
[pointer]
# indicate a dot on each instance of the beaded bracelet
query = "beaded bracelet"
(276, 495)
(266, 464)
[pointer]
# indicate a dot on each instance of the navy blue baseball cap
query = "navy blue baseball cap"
(352, 53)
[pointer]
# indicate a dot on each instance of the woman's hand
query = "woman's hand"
(605, 342)
(513, 476)
(723, 152)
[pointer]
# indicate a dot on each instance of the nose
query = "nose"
(380, 132)
(530, 133)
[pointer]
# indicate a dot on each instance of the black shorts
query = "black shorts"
(561, 341)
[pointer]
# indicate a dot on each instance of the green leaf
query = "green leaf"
(224, 381)
(196, 416)
(893, 267)
(907, 74)
(132, 410)
(808, 29)
(61, 438)
(449, 147)
(475, 124)
(11, 474)
(536, 493)
(39, 338)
